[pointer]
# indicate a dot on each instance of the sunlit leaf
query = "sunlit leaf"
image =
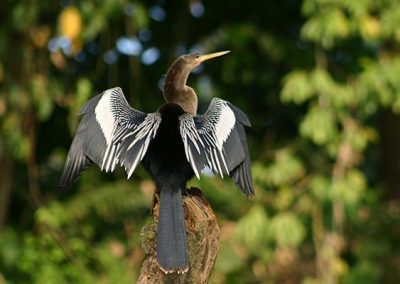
(284, 198)
(96, 23)
(320, 187)
(70, 23)
(319, 125)
(370, 27)
(350, 188)
(297, 87)
(285, 169)
(286, 229)
(326, 27)
(251, 229)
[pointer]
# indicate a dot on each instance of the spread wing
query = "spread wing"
(110, 132)
(217, 140)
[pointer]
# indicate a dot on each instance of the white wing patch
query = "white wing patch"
(104, 116)
(216, 133)
(140, 134)
(208, 140)
(147, 130)
(120, 133)
(110, 133)
(189, 132)
(224, 126)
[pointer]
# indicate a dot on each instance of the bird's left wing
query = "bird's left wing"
(110, 132)
(217, 140)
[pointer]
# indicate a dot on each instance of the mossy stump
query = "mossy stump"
(203, 240)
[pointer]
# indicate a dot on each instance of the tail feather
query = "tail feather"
(172, 248)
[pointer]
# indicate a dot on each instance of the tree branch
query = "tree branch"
(203, 239)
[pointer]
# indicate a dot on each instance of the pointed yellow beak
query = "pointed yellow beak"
(205, 57)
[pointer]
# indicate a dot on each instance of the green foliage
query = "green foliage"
(350, 188)
(365, 272)
(317, 78)
(286, 230)
(319, 125)
(252, 229)
(326, 27)
(24, 15)
(297, 87)
(285, 169)
(67, 233)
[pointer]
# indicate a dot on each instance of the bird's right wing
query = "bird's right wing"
(217, 140)
(110, 132)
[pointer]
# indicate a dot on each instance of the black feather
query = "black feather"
(172, 248)
(234, 151)
(90, 144)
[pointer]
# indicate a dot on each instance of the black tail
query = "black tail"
(172, 249)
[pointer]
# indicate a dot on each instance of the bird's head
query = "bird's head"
(175, 89)
(191, 61)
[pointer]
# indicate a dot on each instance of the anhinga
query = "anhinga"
(174, 144)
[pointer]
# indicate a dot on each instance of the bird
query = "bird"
(174, 144)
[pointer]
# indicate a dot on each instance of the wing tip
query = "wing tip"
(169, 270)
(65, 182)
(67, 179)
(250, 192)
(63, 187)
(245, 186)
(240, 115)
(118, 89)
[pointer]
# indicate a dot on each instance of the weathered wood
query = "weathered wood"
(203, 239)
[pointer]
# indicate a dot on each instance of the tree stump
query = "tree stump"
(202, 232)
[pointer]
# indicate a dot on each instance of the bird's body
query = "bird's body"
(165, 158)
(173, 144)
(165, 161)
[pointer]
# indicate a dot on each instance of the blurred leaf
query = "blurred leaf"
(297, 87)
(24, 15)
(370, 27)
(390, 19)
(15, 142)
(320, 187)
(140, 17)
(364, 272)
(311, 148)
(83, 92)
(326, 27)
(227, 260)
(284, 198)
(95, 24)
(70, 23)
(41, 97)
(286, 230)
(285, 169)
(319, 125)
(113, 7)
(251, 229)
(350, 188)
(10, 248)
(53, 216)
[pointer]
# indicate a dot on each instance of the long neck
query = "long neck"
(175, 89)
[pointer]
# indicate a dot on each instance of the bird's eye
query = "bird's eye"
(197, 56)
